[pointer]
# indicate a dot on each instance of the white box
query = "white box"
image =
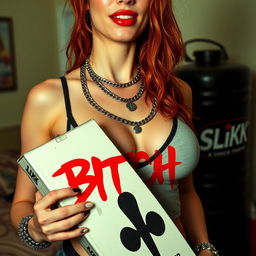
(127, 219)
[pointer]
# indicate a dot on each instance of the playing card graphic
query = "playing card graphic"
(131, 238)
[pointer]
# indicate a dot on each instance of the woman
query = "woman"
(121, 40)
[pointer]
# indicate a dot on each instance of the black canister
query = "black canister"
(221, 97)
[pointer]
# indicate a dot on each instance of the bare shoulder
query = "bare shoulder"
(45, 93)
(186, 92)
(40, 112)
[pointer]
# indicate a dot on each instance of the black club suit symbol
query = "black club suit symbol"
(131, 238)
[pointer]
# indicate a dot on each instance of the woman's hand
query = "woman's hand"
(58, 224)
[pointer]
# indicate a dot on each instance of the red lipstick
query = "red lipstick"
(124, 17)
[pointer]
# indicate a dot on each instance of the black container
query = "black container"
(221, 96)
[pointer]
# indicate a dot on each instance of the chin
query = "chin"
(125, 36)
(122, 35)
(124, 40)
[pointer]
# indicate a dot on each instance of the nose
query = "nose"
(128, 2)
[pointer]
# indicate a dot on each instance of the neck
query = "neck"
(114, 61)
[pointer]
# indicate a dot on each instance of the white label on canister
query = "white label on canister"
(224, 137)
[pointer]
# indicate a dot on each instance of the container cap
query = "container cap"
(208, 57)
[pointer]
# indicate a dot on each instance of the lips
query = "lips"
(124, 17)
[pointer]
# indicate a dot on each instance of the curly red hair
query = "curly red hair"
(159, 50)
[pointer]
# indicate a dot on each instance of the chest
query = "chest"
(152, 137)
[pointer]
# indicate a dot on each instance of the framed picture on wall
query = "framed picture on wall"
(7, 62)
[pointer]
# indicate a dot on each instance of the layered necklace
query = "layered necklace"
(99, 81)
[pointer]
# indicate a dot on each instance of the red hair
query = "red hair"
(159, 50)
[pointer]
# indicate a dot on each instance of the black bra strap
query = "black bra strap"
(68, 249)
(66, 97)
(70, 119)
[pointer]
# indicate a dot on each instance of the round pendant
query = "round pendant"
(131, 106)
(137, 129)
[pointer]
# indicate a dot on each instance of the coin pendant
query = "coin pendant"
(137, 129)
(131, 106)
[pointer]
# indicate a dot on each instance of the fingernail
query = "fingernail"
(89, 205)
(85, 230)
(86, 212)
(76, 190)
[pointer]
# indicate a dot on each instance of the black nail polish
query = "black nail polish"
(87, 212)
(76, 190)
(83, 231)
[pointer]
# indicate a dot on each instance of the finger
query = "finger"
(38, 196)
(55, 195)
(64, 225)
(64, 212)
(67, 235)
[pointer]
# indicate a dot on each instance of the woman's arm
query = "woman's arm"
(34, 132)
(41, 110)
(192, 213)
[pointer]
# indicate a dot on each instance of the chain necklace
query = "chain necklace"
(98, 80)
(136, 124)
(105, 81)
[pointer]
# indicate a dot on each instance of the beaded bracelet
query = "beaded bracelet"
(206, 246)
(26, 238)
